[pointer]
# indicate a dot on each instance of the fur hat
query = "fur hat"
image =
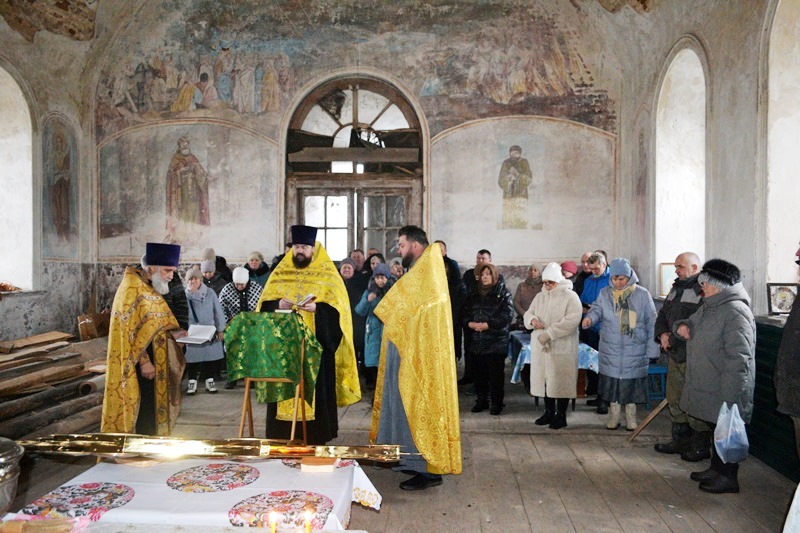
(240, 275)
(552, 272)
(162, 254)
(620, 267)
(208, 265)
(570, 266)
(722, 271)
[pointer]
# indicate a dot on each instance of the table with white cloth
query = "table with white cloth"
(519, 351)
(207, 492)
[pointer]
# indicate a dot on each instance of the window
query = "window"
(354, 165)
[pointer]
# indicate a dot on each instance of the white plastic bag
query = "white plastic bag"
(730, 437)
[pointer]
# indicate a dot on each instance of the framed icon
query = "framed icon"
(780, 297)
(666, 277)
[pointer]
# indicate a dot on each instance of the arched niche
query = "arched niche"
(680, 182)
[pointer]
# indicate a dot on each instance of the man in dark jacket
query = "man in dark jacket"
(787, 368)
(458, 291)
(683, 300)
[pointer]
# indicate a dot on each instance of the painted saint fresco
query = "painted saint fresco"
(465, 60)
(561, 171)
(202, 185)
(515, 179)
(60, 195)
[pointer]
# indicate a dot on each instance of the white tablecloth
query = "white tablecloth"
(172, 493)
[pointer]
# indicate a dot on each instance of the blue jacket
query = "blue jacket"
(591, 290)
(624, 356)
(374, 330)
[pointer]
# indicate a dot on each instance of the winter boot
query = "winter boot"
(481, 404)
(711, 473)
(613, 416)
(192, 389)
(727, 480)
(681, 437)
(630, 416)
(211, 386)
(547, 417)
(699, 447)
(560, 415)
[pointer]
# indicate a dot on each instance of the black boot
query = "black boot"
(699, 447)
(547, 417)
(727, 479)
(481, 404)
(560, 414)
(681, 438)
(602, 406)
(711, 473)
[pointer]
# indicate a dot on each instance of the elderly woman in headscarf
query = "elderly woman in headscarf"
(258, 269)
(203, 361)
(356, 283)
(396, 268)
(554, 316)
(627, 318)
(488, 312)
(526, 292)
(720, 363)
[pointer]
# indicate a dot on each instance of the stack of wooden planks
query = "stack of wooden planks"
(49, 385)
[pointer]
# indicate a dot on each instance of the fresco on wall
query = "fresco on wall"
(571, 202)
(515, 179)
(60, 194)
(642, 177)
(194, 185)
(464, 60)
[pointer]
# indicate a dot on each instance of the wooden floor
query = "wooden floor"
(517, 476)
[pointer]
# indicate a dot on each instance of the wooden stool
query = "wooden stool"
(247, 407)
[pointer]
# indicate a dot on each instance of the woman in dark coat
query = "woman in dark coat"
(720, 362)
(488, 312)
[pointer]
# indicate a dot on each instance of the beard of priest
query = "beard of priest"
(307, 269)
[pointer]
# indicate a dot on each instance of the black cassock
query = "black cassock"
(325, 425)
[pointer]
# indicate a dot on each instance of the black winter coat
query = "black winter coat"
(682, 302)
(494, 308)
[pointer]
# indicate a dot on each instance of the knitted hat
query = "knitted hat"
(162, 254)
(347, 261)
(208, 265)
(240, 275)
(193, 272)
(570, 266)
(209, 253)
(552, 272)
(304, 235)
(620, 267)
(723, 271)
(381, 269)
(255, 255)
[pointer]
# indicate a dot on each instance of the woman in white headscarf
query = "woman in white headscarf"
(554, 316)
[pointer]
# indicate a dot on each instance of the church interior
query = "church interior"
(649, 128)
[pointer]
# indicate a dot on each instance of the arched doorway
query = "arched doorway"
(354, 165)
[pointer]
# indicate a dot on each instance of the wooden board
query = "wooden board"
(28, 352)
(51, 336)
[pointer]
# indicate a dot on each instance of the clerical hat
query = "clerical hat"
(162, 254)
(304, 235)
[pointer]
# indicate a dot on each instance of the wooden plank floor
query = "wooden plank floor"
(517, 476)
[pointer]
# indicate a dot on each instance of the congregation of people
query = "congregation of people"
(704, 330)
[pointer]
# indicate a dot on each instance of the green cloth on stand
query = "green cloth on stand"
(267, 345)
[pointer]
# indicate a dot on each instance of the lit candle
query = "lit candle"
(273, 521)
(308, 521)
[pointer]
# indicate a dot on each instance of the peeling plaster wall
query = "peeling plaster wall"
(616, 59)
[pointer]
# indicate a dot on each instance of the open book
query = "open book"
(299, 303)
(198, 334)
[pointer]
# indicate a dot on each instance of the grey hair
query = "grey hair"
(705, 278)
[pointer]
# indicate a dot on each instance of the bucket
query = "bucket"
(10, 455)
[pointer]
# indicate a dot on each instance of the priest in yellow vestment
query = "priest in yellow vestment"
(144, 365)
(416, 397)
(307, 270)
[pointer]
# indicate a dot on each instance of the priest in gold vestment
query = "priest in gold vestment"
(307, 270)
(416, 398)
(144, 364)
